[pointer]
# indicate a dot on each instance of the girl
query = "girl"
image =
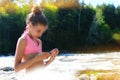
(29, 53)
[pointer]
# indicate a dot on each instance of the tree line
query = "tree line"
(97, 26)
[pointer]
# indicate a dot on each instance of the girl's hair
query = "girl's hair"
(36, 17)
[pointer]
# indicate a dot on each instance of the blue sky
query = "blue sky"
(95, 2)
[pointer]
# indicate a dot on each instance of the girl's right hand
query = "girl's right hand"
(45, 55)
(42, 56)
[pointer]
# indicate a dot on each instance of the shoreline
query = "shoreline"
(83, 49)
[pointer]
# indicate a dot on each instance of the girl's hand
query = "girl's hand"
(49, 61)
(42, 56)
(45, 55)
(53, 54)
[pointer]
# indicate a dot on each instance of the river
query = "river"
(68, 65)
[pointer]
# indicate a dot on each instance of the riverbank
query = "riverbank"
(68, 65)
(98, 48)
(108, 48)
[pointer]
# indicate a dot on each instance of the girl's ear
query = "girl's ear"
(30, 25)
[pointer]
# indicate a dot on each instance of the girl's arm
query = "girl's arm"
(19, 55)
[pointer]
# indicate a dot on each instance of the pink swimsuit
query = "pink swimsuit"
(31, 47)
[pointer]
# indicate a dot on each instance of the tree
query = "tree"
(12, 24)
(99, 32)
(118, 17)
(109, 11)
(86, 19)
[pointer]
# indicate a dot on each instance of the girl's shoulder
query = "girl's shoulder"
(22, 39)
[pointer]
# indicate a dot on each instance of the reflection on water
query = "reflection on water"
(70, 63)
(90, 61)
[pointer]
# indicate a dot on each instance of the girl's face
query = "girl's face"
(37, 30)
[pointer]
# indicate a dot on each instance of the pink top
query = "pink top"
(31, 47)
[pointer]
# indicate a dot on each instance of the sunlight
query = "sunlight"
(21, 2)
(2, 11)
(51, 7)
(37, 1)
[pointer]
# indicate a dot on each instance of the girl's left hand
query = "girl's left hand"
(54, 53)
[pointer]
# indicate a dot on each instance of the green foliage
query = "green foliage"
(12, 23)
(116, 36)
(87, 14)
(99, 32)
(62, 27)
(109, 12)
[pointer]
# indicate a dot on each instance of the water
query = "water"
(68, 64)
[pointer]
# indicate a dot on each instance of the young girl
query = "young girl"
(29, 53)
